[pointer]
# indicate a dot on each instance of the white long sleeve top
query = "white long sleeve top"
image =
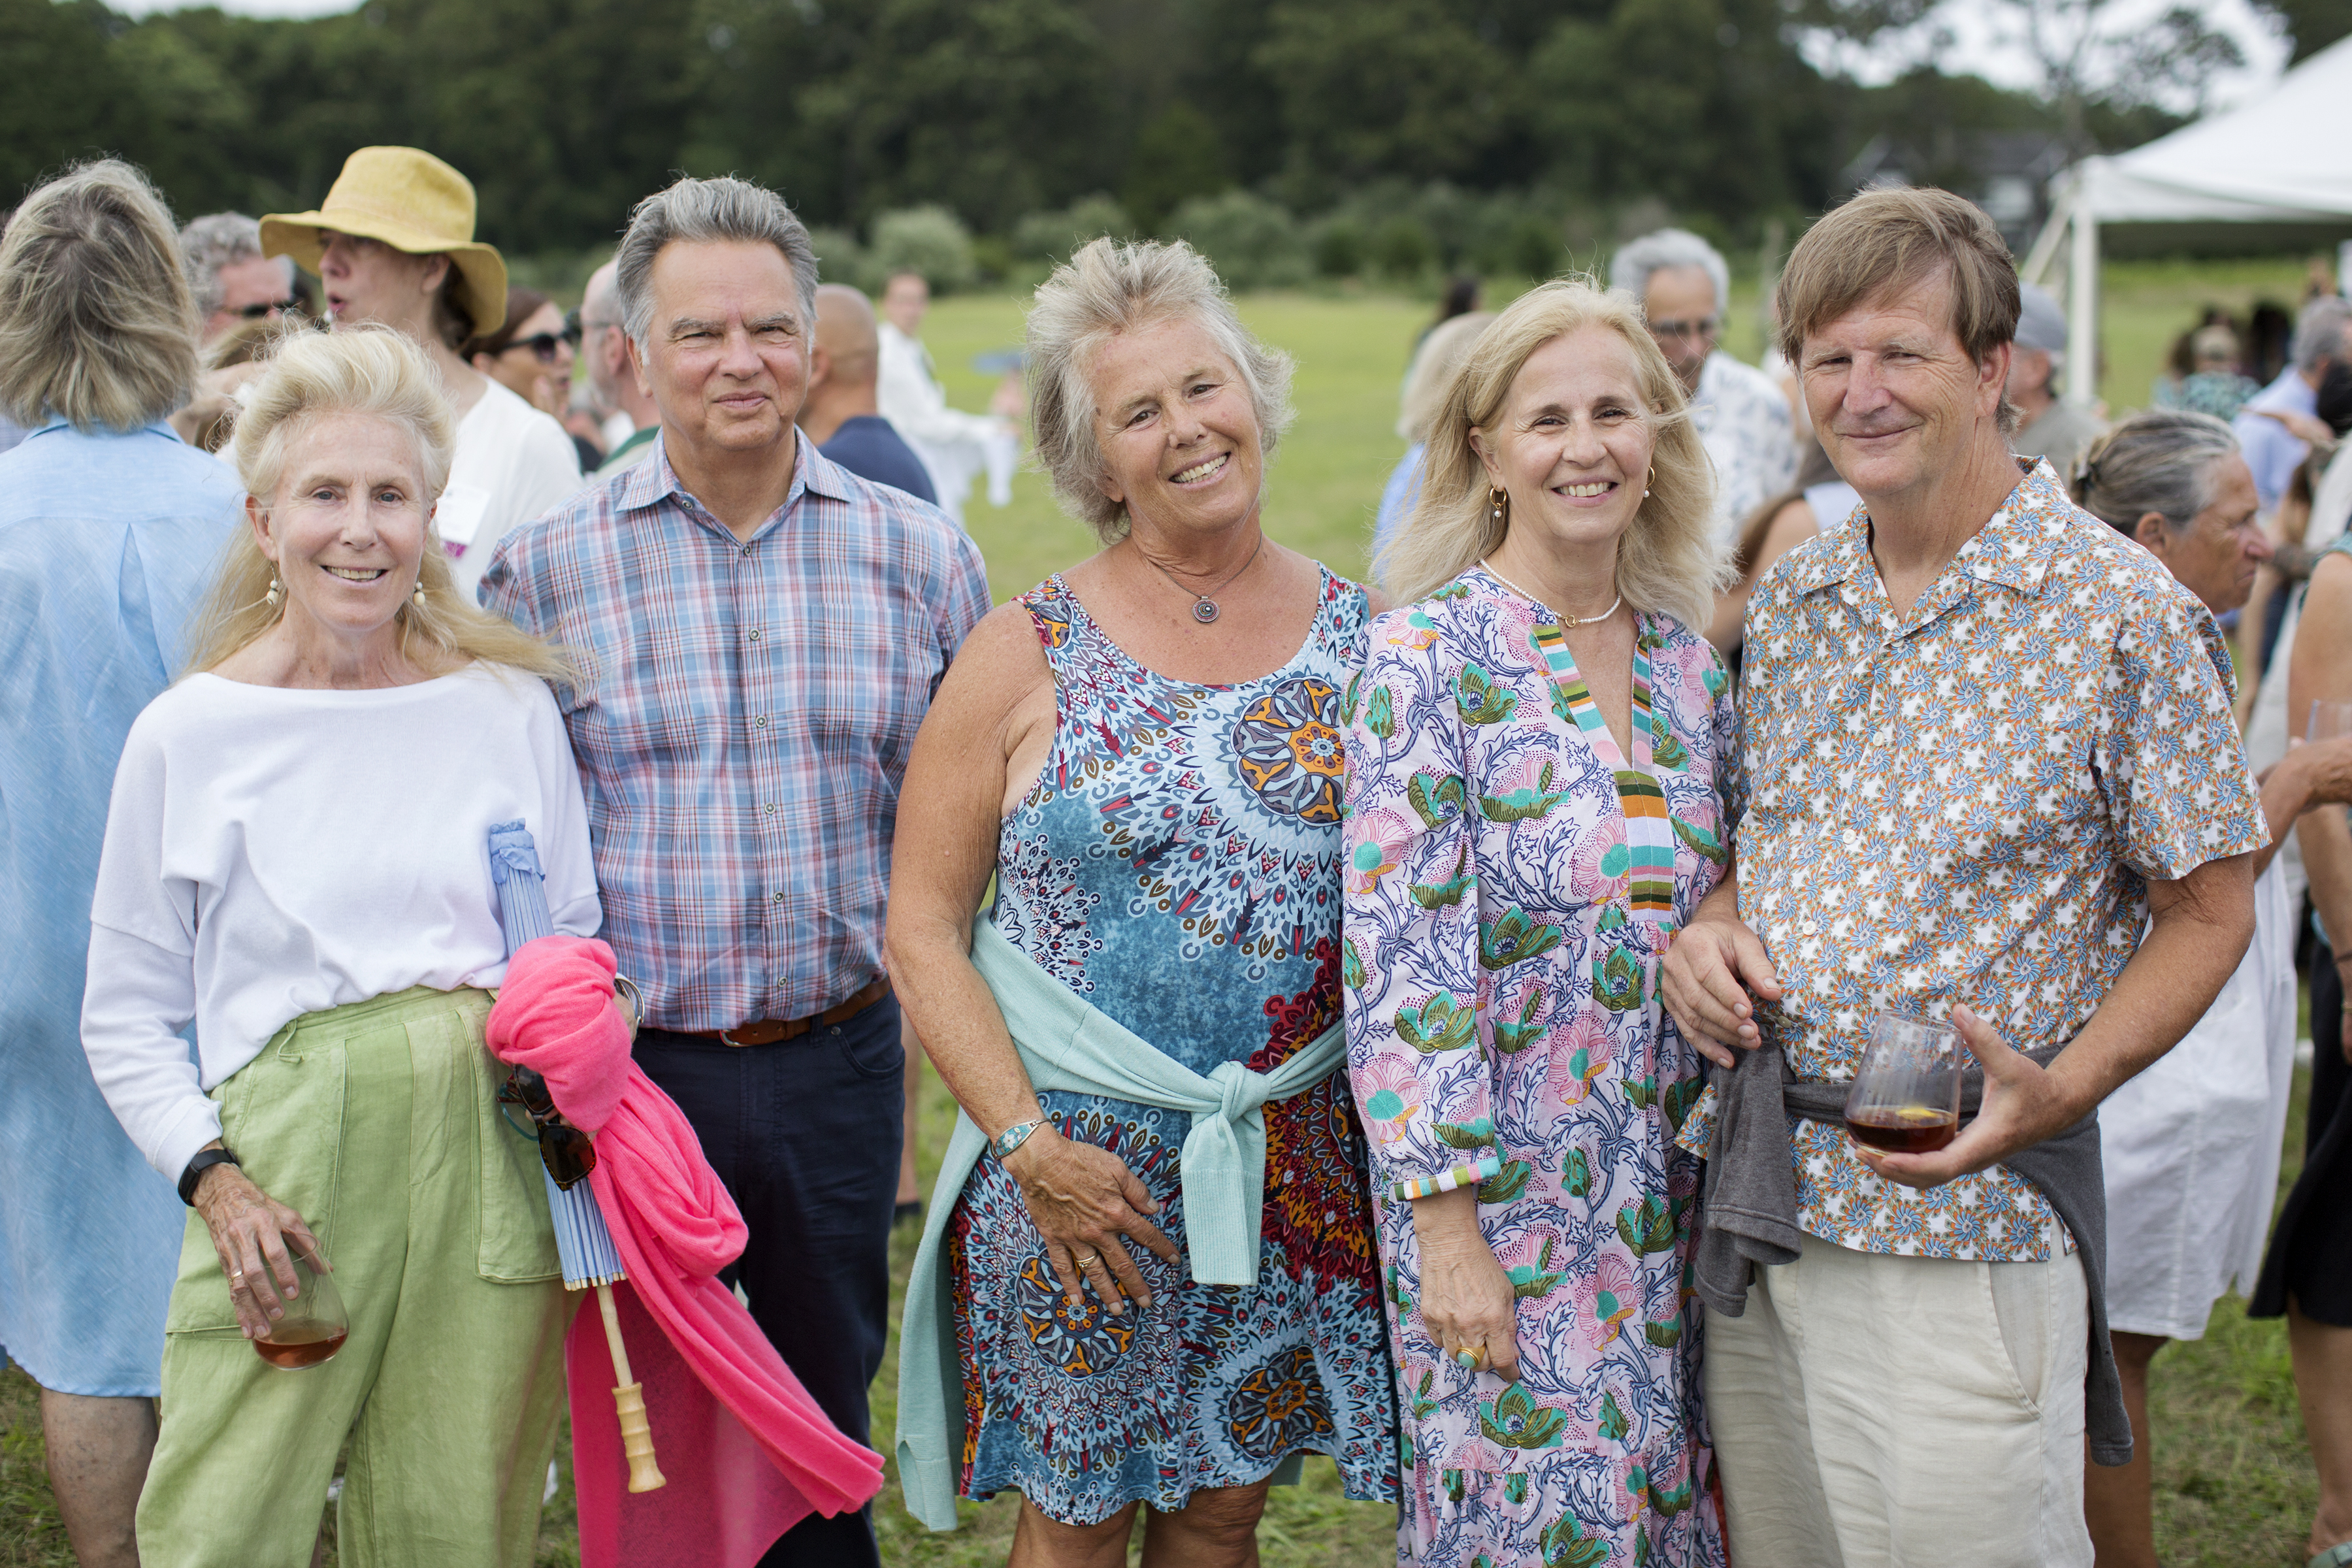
(272, 852)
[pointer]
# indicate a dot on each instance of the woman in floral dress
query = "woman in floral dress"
(1144, 752)
(1532, 752)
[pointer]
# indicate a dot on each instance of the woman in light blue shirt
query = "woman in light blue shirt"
(109, 527)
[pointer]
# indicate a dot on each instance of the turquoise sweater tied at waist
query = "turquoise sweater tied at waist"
(1067, 1044)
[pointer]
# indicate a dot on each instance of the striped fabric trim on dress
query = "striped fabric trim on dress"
(1485, 1168)
(1649, 839)
(1649, 833)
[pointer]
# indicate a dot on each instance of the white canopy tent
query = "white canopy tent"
(2282, 162)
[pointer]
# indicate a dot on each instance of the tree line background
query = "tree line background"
(1331, 137)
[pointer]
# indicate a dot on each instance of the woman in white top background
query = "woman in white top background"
(296, 860)
(394, 245)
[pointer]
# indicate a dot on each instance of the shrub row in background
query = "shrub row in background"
(1389, 233)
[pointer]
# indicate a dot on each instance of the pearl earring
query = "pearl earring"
(417, 594)
(277, 589)
(1647, 480)
(1498, 502)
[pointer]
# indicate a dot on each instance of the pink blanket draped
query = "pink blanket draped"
(746, 1451)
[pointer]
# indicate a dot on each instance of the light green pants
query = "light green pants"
(378, 1123)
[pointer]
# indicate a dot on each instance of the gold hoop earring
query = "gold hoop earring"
(277, 591)
(1498, 505)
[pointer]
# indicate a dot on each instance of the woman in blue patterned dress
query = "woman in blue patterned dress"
(1144, 752)
(1532, 757)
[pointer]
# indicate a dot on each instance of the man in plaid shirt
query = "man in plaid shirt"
(759, 633)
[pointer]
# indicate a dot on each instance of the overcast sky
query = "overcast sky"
(1976, 34)
(1981, 40)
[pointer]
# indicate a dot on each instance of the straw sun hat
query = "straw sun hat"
(413, 202)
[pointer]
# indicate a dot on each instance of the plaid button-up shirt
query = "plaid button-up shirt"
(742, 720)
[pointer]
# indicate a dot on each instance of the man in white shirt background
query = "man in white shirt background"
(955, 445)
(1741, 414)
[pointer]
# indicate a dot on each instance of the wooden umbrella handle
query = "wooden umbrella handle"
(629, 1400)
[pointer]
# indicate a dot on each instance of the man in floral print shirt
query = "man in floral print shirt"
(1983, 743)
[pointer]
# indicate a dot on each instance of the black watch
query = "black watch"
(205, 1160)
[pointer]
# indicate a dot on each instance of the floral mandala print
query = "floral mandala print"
(1287, 749)
(1079, 1341)
(1278, 1406)
(1178, 864)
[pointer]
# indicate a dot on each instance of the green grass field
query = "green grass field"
(2234, 1485)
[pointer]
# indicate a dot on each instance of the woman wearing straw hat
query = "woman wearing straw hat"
(393, 244)
(296, 860)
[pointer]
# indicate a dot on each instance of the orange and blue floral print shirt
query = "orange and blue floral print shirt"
(1964, 803)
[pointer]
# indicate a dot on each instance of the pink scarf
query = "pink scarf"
(747, 1452)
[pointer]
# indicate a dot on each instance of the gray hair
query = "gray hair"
(2319, 335)
(96, 322)
(1631, 267)
(216, 240)
(705, 212)
(2163, 461)
(1107, 289)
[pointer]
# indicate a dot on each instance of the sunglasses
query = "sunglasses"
(268, 308)
(543, 344)
(562, 1148)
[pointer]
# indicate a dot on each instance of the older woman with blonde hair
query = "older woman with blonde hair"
(1533, 750)
(296, 860)
(1143, 753)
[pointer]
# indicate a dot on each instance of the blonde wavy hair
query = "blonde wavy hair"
(1667, 561)
(379, 372)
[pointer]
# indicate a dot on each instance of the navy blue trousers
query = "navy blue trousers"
(805, 1134)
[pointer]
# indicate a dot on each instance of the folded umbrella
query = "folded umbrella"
(583, 1240)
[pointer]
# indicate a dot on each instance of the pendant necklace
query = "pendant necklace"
(1566, 622)
(1204, 607)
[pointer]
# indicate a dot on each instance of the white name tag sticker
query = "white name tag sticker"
(460, 513)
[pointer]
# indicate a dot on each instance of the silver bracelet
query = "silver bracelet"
(1013, 1137)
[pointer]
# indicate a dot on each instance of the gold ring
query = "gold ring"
(1083, 1259)
(1467, 1358)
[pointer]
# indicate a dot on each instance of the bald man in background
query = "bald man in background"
(841, 416)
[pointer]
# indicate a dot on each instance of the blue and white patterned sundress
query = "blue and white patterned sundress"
(1178, 865)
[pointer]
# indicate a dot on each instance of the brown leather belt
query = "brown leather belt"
(775, 1031)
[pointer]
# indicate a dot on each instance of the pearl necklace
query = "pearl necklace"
(1565, 621)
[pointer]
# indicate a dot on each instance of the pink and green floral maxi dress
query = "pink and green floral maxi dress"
(1513, 882)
